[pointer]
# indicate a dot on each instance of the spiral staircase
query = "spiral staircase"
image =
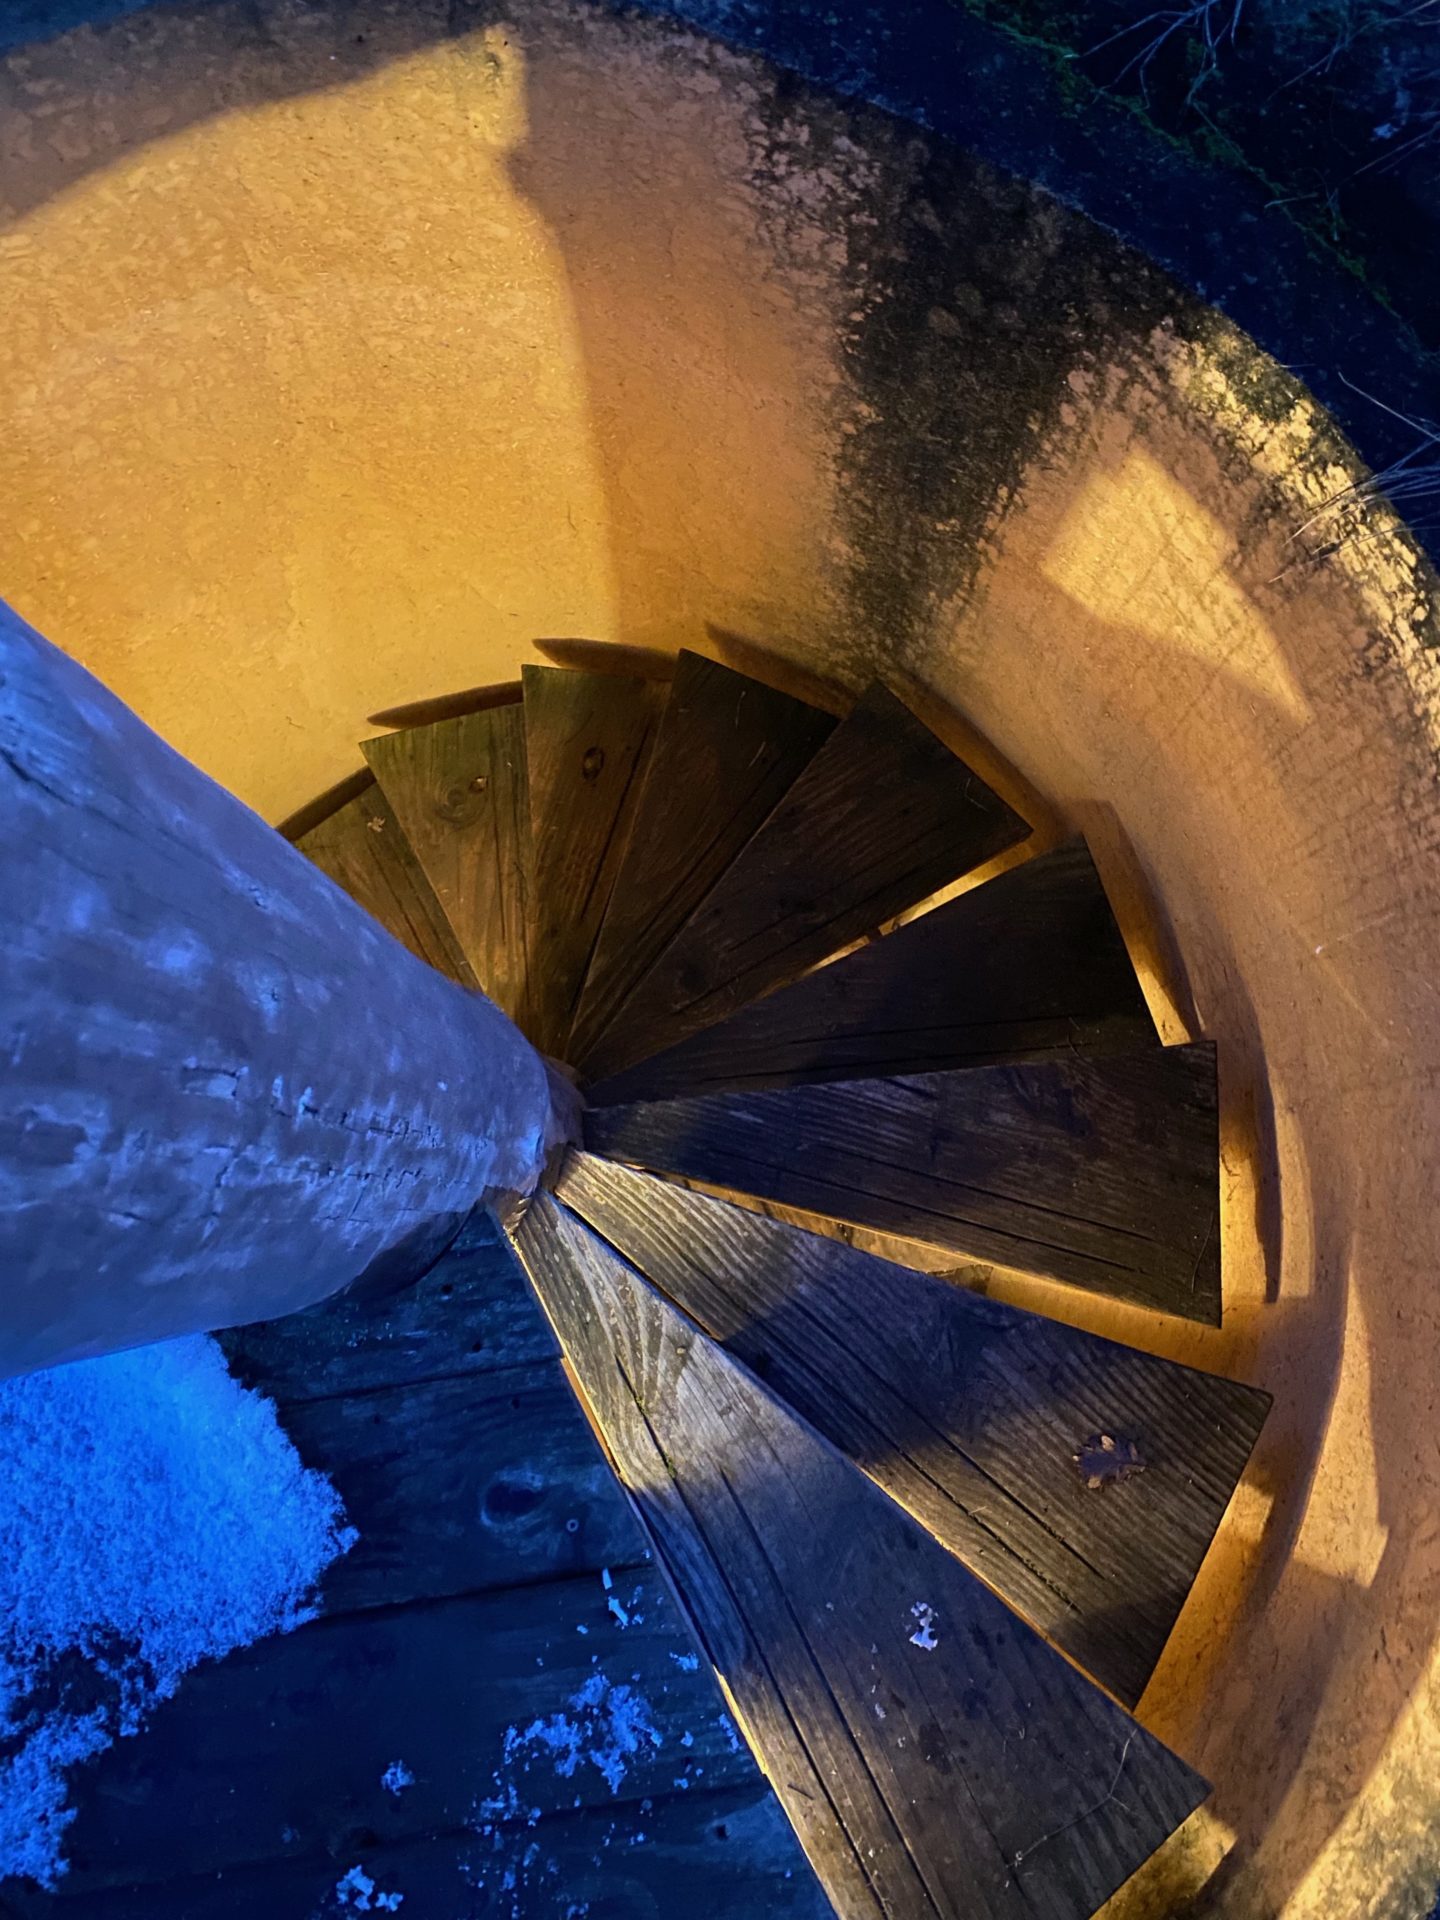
(931, 1545)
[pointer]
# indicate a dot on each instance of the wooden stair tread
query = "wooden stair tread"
(984, 1421)
(460, 792)
(883, 815)
(499, 1575)
(280, 1748)
(448, 706)
(608, 656)
(726, 751)
(631, 1861)
(472, 1313)
(296, 825)
(934, 1755)
(1029, 966)
(1103, 1173)
(588, 738)
(363, 850)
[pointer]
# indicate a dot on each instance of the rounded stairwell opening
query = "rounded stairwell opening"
(355, 353)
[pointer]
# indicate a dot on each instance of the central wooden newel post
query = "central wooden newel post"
(227, 1092)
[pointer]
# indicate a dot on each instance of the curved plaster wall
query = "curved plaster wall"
(348, 349)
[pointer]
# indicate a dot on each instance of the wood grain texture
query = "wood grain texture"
(1103, 1173)
(460, 791)
(499, 1575)
(616, 1863)
(498, 1593)
(279, 1750)
(1030, 966)
(725, 753)
(934, 1755)
(588, 738)
(473, 1313)
(882, 816)
(363, 850)
(977, 1417)
(296, 825)
(480, 1475)
(464, 1485)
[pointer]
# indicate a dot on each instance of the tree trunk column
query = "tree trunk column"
(227, 1091)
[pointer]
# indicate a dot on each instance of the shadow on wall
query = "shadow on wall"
(360, 344)
(355, 345)
(292, 391)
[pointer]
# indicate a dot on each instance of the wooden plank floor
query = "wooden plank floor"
(986, 1423)
(726, 752)
(882, 816)
(939, 1758)
(498, 1631)
(363, 850)
(588, 738)
(460, 792)
(1030, 966)
(1101, 1172)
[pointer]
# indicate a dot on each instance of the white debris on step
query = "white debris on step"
(358, 1892)
(924, 1634)
(605, 1727)
(396, 1777)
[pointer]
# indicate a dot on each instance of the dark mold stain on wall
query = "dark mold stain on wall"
(973, 298)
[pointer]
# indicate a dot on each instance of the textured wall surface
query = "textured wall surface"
(349, 353)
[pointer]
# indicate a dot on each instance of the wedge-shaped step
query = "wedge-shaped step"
(1030, 966)
(883, 815)
(1102, 1173)
(449, 706)
(726, 751)
(1081, 1479)
(935, 1756)
(587, 741)
(363, 850)
(459, 791)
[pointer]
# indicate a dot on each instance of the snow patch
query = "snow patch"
(153, 1514)
(606, 1727)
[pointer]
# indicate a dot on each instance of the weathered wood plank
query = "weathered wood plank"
(228, 1091)
(985, 1422)
(614, 1860)
(363, 850)
(778, 669)
(459, 790)
(472, 1313)
(1030, 966)
(1103, 1173)
(280, 1749)
(935, 1756)
(883, 815)
(588, 738)
(443, 1418)
(465, 1485)
(725, 753)
(296, 825)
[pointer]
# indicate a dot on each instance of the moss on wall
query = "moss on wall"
(356, 344)
(1330, 106)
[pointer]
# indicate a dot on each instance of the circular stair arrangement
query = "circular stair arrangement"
(932, 1544)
